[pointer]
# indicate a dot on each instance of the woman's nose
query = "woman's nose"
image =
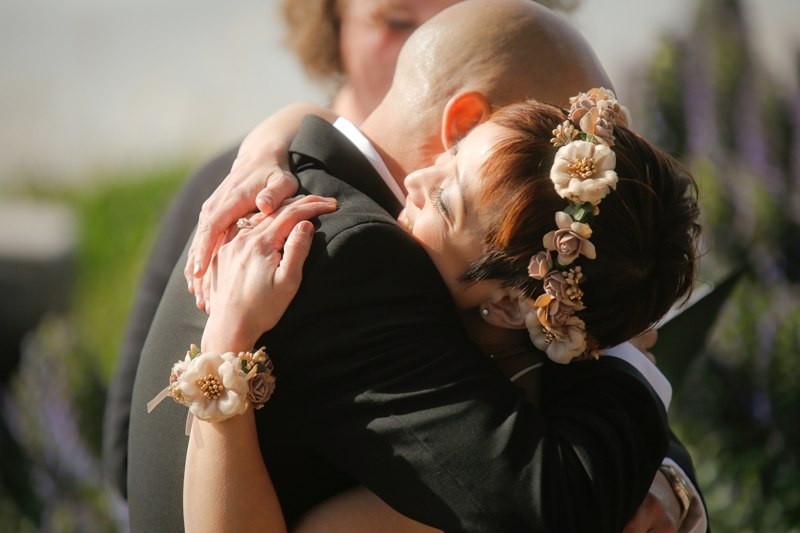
(415, 185)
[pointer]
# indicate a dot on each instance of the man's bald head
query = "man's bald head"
(507, 50)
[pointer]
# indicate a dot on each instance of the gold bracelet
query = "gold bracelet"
(680, 487)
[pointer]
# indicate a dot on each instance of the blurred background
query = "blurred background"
(105, 108)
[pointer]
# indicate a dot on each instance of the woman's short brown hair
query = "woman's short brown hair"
(645, 234)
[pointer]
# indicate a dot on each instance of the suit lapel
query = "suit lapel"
(318, 143)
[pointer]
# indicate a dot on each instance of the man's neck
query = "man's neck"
(381, 134)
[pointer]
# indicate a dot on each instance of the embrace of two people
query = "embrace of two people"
(446, 310)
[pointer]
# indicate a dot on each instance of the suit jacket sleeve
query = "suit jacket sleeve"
(374, 367)
(178, 224)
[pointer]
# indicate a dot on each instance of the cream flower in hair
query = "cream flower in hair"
(214, 386)
(584, 172)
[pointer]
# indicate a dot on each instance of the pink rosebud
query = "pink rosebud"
(540, 264)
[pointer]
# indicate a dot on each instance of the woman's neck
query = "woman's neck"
(510, 349)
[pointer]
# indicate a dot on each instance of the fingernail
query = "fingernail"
(196, 268)
(308, 229)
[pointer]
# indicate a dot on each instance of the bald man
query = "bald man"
(413, 437)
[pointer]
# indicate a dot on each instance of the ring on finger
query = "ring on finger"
(244, 223)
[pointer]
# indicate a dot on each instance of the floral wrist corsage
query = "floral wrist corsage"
(218, 386)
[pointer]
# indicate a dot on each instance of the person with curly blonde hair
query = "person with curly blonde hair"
(352, 45)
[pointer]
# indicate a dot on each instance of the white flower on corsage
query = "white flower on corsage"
(584, 172)
(214, 386)
(217, 386)
(570, 240)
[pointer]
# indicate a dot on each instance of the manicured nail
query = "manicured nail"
(196, 268)
(308, 229)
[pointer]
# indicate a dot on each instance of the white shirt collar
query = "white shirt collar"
(630, 354)
(354, 135)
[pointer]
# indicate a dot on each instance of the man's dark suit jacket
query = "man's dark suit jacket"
(378, 386)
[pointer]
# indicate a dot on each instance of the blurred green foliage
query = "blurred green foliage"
(118, 219)
(73, 357)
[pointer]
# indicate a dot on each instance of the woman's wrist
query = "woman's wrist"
(221, 335)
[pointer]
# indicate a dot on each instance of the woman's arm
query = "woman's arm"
(255, 276)
(226, 486)
(259, 178)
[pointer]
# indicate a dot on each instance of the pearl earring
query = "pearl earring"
(484, 311)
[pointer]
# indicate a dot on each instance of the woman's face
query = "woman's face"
(442, 211)
(371, 34)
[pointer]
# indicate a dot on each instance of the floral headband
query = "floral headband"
(583, 174)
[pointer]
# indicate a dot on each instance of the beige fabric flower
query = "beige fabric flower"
(540, 264)
(564, 134)
(570, 240)
(214, 386)
(584, 172)
(557, 285)
(262, 385)
(553, 313)
(597, 112)
(561, 345)
(178, 369)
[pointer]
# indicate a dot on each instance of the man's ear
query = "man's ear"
(463, 112)
(503, 312)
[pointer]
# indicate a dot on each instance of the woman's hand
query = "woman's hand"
(256, 274)
(259, 178)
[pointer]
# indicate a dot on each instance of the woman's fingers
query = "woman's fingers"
(268, 232)
(289, 273)
(219, 212)
(280, 186)
(260, 269)
(275, 229)
(265, 176)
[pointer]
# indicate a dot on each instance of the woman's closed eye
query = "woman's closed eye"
(435, 194)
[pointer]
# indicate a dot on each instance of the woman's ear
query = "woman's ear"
(462, 112)
(504, 312)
